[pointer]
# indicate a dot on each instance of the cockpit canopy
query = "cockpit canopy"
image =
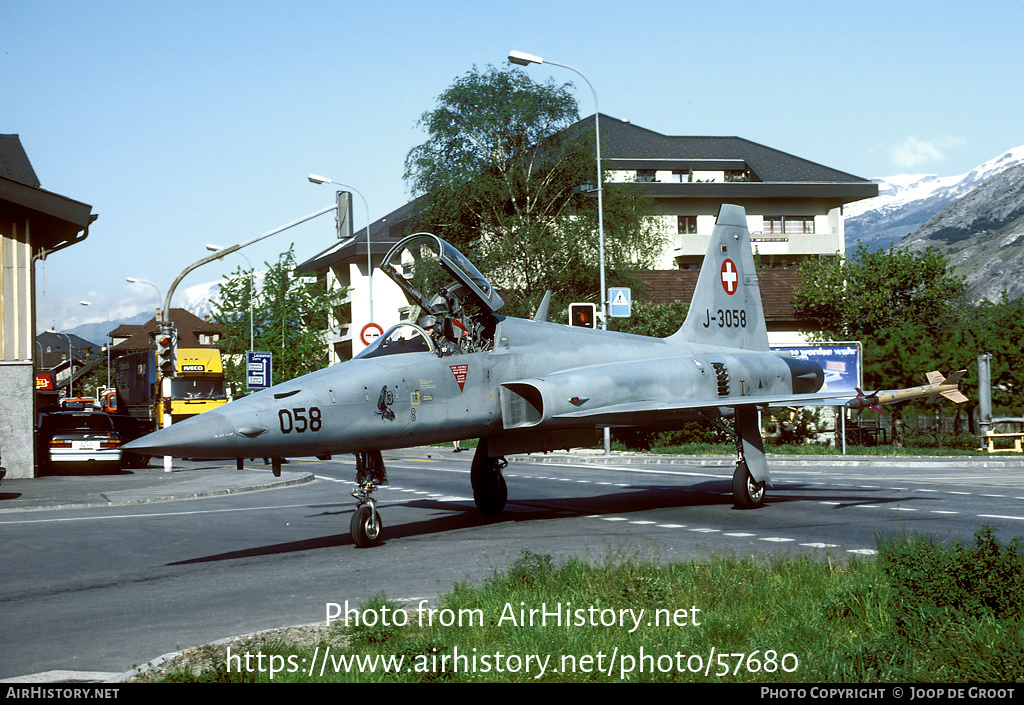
(438, 277)
(399, 339)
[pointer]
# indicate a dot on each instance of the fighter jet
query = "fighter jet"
(519, 386)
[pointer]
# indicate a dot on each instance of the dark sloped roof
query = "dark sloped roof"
(58, 221)
(188, 325)
(384, 233)
(14, 163)
(623, 141)
(626, 146)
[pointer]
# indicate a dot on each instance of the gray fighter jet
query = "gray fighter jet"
(518, 385)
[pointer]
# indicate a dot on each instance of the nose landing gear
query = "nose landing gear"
(366, 526)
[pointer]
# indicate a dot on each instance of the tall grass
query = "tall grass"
(920, 611)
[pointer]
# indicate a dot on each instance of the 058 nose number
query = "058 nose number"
(300, 420)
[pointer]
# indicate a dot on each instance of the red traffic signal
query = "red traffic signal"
(583, 315)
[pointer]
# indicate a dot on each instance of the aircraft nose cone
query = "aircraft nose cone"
(210, 433)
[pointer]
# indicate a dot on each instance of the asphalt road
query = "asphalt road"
(103, 588)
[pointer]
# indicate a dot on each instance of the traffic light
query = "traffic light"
(584, 315)
(343, 215)
(166, 351)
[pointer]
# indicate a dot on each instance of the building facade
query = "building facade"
(794, 212)
(794, 206)
(34, 224)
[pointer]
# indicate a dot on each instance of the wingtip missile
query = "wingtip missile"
(946, 387)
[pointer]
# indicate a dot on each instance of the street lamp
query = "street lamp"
(521, 58)
(71, 359)
(317, 179)
(106, 348)
(133, 280)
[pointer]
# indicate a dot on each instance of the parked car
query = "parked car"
(80, 440)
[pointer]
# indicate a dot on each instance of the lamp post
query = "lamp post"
(71, 359)
(317, 179)
(134, 280)
(106, 347)
(523, 59)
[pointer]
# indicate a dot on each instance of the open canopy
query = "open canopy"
(438, 277)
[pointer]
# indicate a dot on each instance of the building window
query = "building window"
(681, 176)
(686, 224)
(646, 175)
(789, 225)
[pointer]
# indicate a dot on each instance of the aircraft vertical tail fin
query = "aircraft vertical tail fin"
(726, 307)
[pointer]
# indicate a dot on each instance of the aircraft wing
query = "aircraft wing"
(647, 412)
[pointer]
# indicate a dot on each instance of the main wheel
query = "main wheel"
(489, 489)
(747, 493)
(366, 527)
(490, 493)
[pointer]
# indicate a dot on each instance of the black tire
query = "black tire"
(489, 489)
(366, 527)
(490, 494)
(747, 493)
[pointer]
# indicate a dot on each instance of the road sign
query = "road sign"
(259, 370)
(619, 302)
(370, 332)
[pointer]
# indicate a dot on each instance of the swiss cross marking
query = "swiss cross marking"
(730, 277)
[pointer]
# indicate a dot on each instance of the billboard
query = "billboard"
(842, 363)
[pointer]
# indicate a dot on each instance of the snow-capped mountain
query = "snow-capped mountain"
(907, 201)
(982, 235)
(198, 299)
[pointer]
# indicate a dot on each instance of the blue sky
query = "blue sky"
(188, 123)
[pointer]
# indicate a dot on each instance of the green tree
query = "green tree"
(656, 320)
(998, 329)
(500, 174)
(906, 307)
(289, 315)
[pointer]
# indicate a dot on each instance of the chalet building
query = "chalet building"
(193, 332)
(794, 212)
(34, 224)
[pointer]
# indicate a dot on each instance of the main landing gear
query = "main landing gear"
(366, 527)
(747, 489)
(489, 489)
(747, 493)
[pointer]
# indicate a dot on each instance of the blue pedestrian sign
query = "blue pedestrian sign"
(259, 370)
(619, 302)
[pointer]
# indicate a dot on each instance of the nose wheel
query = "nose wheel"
(366, 526)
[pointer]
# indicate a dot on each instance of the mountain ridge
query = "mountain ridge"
(905, 202)
(982, 233)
